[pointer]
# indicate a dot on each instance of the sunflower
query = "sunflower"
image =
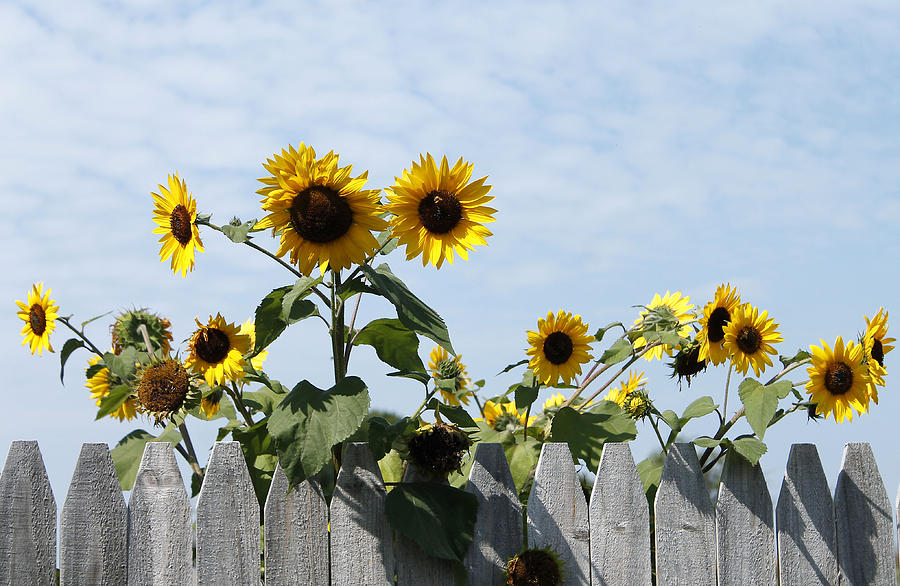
(555, 401)
(211, 403)
(217, 351)
(39, 315)
(749, 337)
(505, 416)
(437, 211)
(175, 214)
(324, 216)
(838, 380)
(716, 315)
(126, 331)
(636, 382)
(876, 345)
(681, 310)
(559, 347)
(248, 328)
(163, 388)
(444, 366)
(98, 384)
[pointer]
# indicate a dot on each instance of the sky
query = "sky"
(633, 148)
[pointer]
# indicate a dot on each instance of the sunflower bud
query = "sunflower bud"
(534, 567)
(637, 404)
(126, 331)
(438, 448)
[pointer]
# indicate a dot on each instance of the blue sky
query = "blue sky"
(633, 149)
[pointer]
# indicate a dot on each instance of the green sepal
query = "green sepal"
(587, 431)
(394, 343)
(619, 351)
(128, 452)
(70, 346)
(115, 399)
(453, 413)
(761, 402)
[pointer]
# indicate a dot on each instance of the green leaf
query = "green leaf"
(619, 351)
(455, 414)
(514, 365)
(411, 310)
(259, 452)
(128, 452)
(123, 365)
(353, 287)
(699, 408)
(650, 471)
(269, 323)
(671, 419)
(94, 369)
(70, 346)
(391, 243)
(523, 455)
(116, 397)
(264, 400)
(309, 421)
(587, 431)
(238, 233)
(293, 304)
(761, 402)
(800, 355)
(422, 377)
(438, 518)
(525, 396)
(750, 448)
(394, 344)
(707, 442)
(382, 434)
(602, 331)
(95, 318)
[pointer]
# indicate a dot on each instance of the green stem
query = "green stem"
(238, 399)
(612, 379)
(721, 433)
(81, 335)
(525, 425)
(727, 383)
(428, 396)
(337, 328)
(658, 435)
(191, 454)
(352, 337)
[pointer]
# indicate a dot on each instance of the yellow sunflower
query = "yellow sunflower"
(437, 211)
(443, 366)
(503, 416)
(681, 308)
(838, 380)
(559, 347)
(749, 337)
(211, 403)
(39, 315)
(98, 384)
(635, 382)
(554, 401)
(248, 328)
(716, 315)
(876, 345)
(324, 216)
(217, 351)
(175, 214)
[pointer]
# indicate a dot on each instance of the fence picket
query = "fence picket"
(558, 513)
(414, 566)
(745, 527)
(296, 532)
(863, 517)
(361, 539)
(160, 538)
(804, 517)
(498, 527)
(27, 518)
(93, 527)
(619, 521)
(685, 522)
(227, 520)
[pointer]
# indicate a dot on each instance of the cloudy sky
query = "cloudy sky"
(633, 148)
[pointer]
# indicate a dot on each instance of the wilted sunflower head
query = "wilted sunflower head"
(126, 332)
(163, 388)
(535, 567)
(687, 363)
(39, 315)
(438, 448)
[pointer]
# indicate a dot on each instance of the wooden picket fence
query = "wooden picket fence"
(847, 539)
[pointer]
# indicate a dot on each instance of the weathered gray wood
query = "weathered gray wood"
(362, 549)
(227, 520)
(685, 522)
(27, 518)
(619, 521)
(160, 538)
(498, 528)
(897, 509)
(804, 518)
(864, 521)
(558, 513)
(93, 527)
(414, 566)
(296, 533)
(745, 527)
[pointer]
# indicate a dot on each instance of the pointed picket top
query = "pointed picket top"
(160, 538)
(558, 513)
(745, 527)
(296, 532)
(414, 566)
(362, 549)
(685, 522)
(498, 528)
(620, 521)
(804, 518)
(27, 518)
(227, 520)
(93, 527)
(864, 520)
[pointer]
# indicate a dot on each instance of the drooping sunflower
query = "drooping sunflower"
(164, 386)
(503, 416)
(680, 307)
(211, 403)
(324, 215)
(438, 211)
(716, 315)
(98, 384)
(749, 337)
(876, 345)
(559, 347)
(217, 351)
(39, 315)
(175, 214)
(126, 331)
(444, 366)
(838, 380)
(636, 382)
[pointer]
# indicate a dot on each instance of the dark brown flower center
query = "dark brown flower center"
(163, 387)
(212, 345)
(38, 319)
(558, 347)
(717, 320)
(533, 567)
(749, 340)
(878, 352)
(180, 224)
(440, 212)
(838, 378)
(319, 214)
